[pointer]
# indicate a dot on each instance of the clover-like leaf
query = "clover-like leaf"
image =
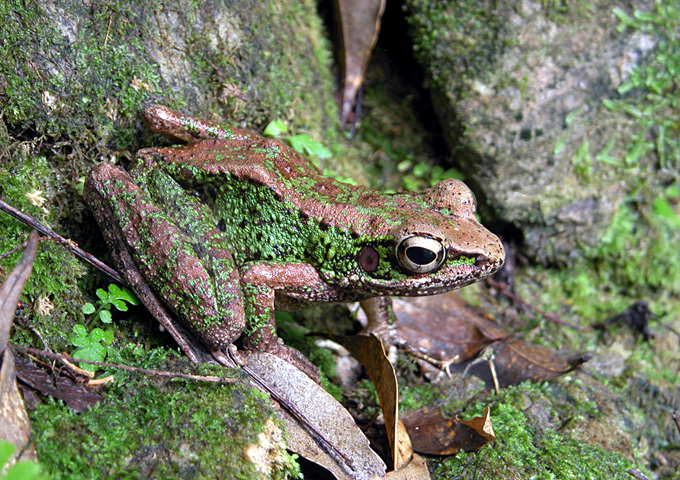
(92, 345)
(119, 304)
(105, 316)
(80, 333)
(23, 470)
(119, 296)
(304, 144)
(103, 295)
(93, 352)
(88, 308)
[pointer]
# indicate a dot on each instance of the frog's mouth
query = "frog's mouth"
(459, 269)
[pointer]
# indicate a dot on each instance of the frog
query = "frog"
(215, 234)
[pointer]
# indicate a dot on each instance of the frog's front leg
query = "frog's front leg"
(189, 273)
(260, 284)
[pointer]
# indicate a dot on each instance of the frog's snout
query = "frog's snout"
(485, 249)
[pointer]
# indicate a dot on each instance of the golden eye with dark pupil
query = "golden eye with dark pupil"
(420, 254)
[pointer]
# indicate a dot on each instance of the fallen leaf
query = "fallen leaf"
(14, 424)
(516, 361)
(415, 470)
(445, 330)
(637, 316)
(368, 349)
(434, 434)
(75, 395)
(359, 25)
(319, 428)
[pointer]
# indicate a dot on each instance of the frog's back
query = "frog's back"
(267, 162)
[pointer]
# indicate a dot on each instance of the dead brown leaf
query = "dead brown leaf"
(446, 331)
(15, 426)
(76, 395)
(415, 470)
(321, 429)
(368, 349)
(359, 24)
(434, 434)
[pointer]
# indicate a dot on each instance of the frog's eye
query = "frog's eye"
(420, 254)
(474, 201)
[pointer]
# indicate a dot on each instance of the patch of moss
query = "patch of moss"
(434, 43)
(636, 259)
(92, 72)
(529, 444)
(650, 96)
(51, 295)
(418, 396)
(151, 427)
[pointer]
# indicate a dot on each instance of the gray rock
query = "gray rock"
(519, 89)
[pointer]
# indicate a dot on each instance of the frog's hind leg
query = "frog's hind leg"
(160, 262)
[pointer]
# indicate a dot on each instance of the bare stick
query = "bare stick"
(160, 373)
(82, 254)
(637, 474)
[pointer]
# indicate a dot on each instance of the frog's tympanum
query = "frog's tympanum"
(213, 235)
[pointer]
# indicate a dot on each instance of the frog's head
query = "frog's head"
(443, 250)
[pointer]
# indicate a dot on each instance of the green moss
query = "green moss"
(527, 448)
(650, 95)
(636, 259)
(53, 300)
(95, 85)
(146, 427)
(418, 396)
(446, 33)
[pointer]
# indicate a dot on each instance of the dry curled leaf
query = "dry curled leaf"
(74, 394)
(368, 349)
(14, 424)
(416, 469)
(359, 25)
(434, 434)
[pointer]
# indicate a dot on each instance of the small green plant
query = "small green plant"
(665, 205)
(300, 143)
(22, 470)
(92, 346)
(115, 297)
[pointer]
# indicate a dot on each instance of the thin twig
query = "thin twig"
(67, 243)
(515, 298)
(160, 373)
(15, 249)
(637, 474)
(676, 420)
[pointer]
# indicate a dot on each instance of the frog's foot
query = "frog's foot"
(230, 358)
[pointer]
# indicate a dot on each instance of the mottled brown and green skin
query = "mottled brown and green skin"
(220, 230)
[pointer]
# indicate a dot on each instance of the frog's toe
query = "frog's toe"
(230, 359)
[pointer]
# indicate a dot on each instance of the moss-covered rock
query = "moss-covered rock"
(148, 427)
(73, 79)
(544, 108)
